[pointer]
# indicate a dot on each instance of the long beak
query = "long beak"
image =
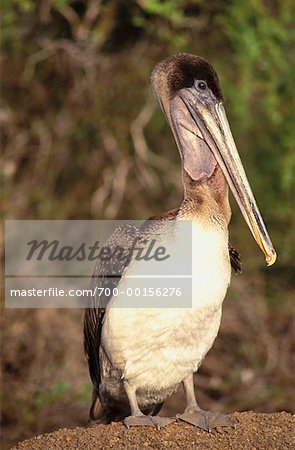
(212, 124)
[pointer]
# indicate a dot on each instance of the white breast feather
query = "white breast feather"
(159, 347)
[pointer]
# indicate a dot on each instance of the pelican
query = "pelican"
(138, 356)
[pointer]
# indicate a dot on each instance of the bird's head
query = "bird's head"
(190, 96)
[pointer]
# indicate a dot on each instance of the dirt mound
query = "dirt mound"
(254, 431)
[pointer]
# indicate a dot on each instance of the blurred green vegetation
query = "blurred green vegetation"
(76, 78)
(83, 138)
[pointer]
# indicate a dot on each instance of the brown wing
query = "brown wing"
(169, 215)
(107, 274)
(235, 259)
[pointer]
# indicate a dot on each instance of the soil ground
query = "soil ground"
(254, 431)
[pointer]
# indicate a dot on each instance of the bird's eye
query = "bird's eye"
(202, 85)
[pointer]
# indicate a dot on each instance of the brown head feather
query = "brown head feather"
(179, 71)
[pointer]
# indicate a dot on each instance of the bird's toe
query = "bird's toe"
(149, 421)
(207, 420)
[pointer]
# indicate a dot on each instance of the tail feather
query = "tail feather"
(96, 412)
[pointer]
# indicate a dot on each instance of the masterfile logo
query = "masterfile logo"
(140, 249)
(86, 263)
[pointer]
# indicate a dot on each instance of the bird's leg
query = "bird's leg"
(137, 418)
(193, 414)
(191, 402)
(130, 392)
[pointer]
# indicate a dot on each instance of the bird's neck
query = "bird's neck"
(206, 200)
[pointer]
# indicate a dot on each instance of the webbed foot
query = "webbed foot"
(149, 421)
(206, 420)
